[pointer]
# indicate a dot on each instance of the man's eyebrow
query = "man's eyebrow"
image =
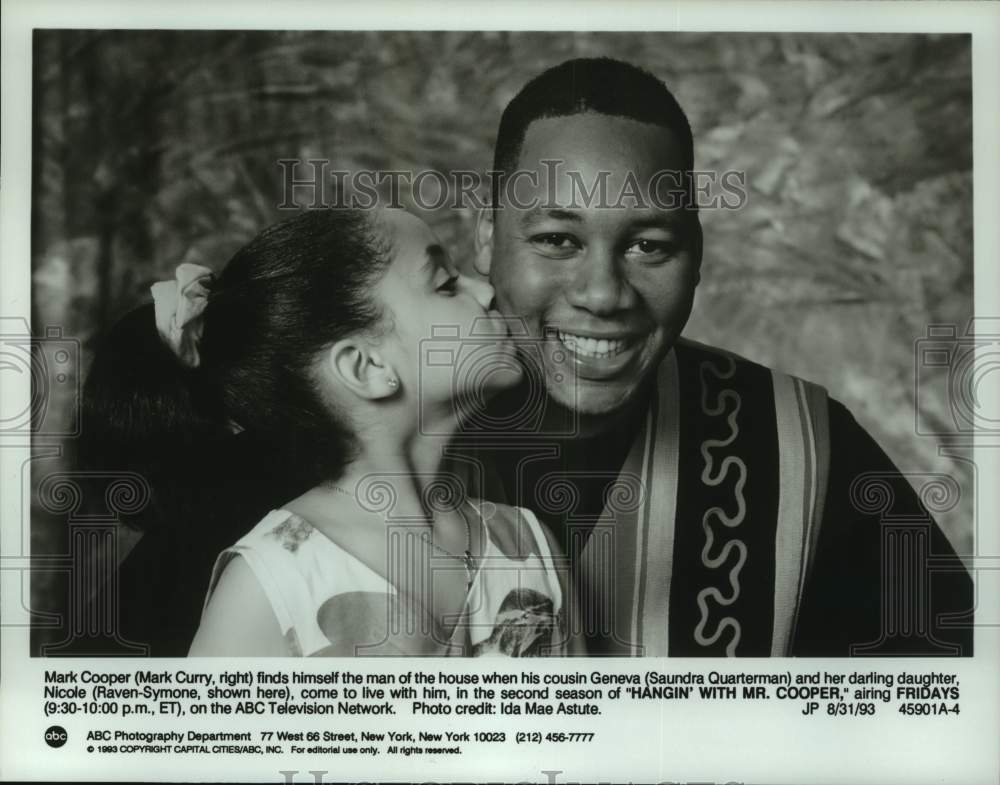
(658, 220)
(536, 215)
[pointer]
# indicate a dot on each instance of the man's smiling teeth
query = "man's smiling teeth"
(592, 347)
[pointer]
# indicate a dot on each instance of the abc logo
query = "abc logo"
(55, 736)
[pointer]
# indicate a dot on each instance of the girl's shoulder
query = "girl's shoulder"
(306, 580)
(285, 539)
(282, 530)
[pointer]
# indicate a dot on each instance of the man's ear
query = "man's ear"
(697, 244)
(356, 365)
(484, 241)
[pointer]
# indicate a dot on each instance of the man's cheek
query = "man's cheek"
(669, 298)
(527, 291)
(541, 283)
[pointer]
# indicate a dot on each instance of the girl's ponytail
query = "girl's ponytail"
(145, 410)
(170, 384)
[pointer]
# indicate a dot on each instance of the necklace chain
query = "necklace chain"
(467, 559)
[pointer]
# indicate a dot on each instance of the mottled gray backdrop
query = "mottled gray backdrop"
(152, 148)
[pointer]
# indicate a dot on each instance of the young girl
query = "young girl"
(320, 338)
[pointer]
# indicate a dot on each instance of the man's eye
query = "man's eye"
(450, 286)
(556, 243)
(650, 250)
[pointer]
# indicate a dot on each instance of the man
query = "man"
(709, 506)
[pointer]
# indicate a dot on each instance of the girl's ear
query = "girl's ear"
(356, 365)
(483, 259)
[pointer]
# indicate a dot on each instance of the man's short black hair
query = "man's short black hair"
(599, 84)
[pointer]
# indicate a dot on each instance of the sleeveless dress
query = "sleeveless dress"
(330, 603)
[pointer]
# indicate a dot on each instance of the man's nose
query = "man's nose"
(600, 285)
(478, 288)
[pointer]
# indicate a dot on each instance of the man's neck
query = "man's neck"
(623, 420)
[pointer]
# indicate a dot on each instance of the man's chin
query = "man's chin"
(595, 399)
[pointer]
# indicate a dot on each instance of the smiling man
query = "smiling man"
(599, 267)
(705, 501)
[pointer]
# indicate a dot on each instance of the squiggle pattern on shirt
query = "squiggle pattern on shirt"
(714, 478)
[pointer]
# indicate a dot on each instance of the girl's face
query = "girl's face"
(444, 340)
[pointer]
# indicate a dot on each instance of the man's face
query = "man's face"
(606, 289)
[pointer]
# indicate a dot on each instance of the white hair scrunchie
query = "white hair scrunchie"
(178, 305)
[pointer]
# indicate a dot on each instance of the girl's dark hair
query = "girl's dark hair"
(294, 290)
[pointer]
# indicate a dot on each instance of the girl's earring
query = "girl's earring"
(392, 381)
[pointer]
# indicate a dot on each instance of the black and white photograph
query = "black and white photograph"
(660, 353)
(669, 419)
